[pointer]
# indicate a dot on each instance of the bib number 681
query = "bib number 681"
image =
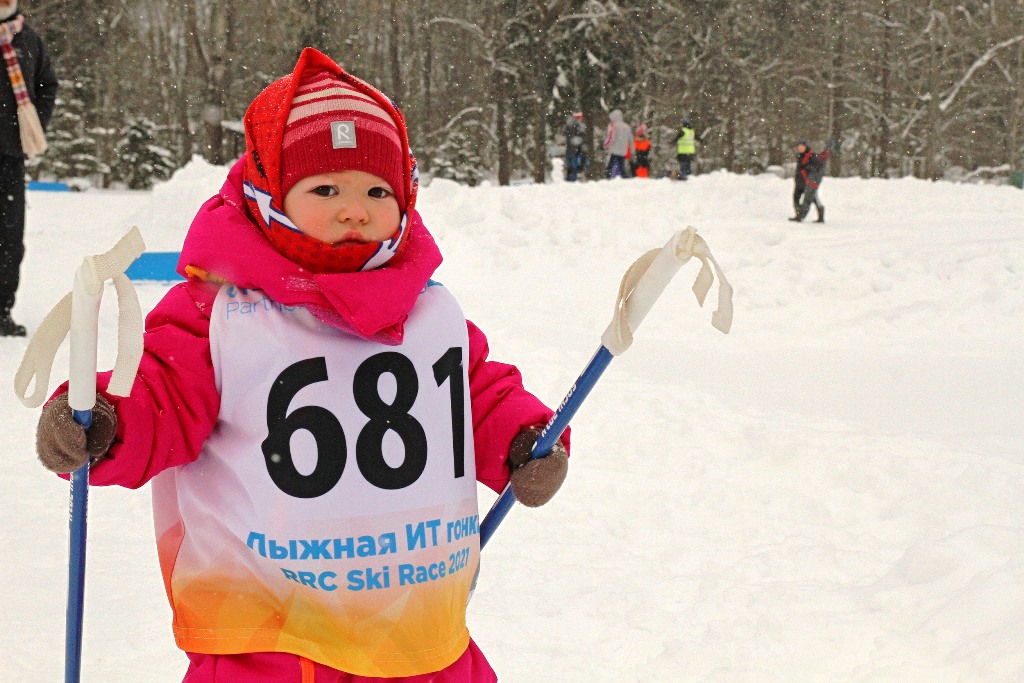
(323, 425)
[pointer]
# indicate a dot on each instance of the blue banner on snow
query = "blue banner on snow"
(155, 265)
(48, 187)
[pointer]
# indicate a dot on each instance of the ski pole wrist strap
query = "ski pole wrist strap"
(647, 278)
(39, 356)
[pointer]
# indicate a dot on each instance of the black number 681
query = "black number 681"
(332, 451)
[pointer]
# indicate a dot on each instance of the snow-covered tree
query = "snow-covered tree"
(908, 85)
(140, 160)
(73, 148)
(458, 159)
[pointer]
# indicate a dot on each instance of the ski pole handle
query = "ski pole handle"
(85, 316)
(77, 314)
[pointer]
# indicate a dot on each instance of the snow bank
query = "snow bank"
(832, 492)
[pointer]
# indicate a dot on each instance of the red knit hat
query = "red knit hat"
(320, 119)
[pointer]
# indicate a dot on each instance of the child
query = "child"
(642, 145)
(314, 412)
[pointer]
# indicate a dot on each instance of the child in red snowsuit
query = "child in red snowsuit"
(642, 146)
(314, 412)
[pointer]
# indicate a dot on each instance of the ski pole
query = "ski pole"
(78, 313)
(641, 286)
(85, 312)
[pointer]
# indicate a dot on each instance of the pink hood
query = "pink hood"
(375, 303)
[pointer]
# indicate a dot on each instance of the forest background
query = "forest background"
(929, 88)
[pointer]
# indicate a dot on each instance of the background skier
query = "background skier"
(810, 170)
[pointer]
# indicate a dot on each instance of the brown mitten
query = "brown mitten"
(63, 445)
(536, 481)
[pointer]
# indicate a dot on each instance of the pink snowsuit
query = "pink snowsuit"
(174, 405)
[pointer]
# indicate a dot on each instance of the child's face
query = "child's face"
(343, 207)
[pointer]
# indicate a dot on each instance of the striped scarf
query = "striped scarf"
(33, 142)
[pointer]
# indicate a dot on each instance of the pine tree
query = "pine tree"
(71, 147)
(458, 159)
(140, 161)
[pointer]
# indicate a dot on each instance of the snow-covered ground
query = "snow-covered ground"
(832, 492)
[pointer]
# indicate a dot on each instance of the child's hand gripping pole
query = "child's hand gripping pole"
(78, 312)
(641, 286)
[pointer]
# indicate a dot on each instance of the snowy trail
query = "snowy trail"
(831, 492)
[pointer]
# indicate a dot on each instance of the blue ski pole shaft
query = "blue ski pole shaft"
(76, 563)
(549, 436)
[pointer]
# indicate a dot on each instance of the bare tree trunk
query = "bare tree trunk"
(885, 106)
(501, 128)
(394, 57)
(931, 147)
(837, 90)
(212, 57)
(1017, 113)
(729, 106)
(317, 35)
(540, 152)
(428, 67)
(772, 105)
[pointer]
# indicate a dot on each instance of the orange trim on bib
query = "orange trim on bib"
(308, 670)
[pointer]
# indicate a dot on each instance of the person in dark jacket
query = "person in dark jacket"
(810, 171)
(575, 157)
(31, 79)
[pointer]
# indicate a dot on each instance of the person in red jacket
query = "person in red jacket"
(810, 171)
(314, 412)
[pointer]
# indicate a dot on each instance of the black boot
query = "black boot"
(821, 215)
(9, 328)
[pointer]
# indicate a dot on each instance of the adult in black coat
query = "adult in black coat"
(810, 171)
(41, 85)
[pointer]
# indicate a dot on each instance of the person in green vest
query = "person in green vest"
(686, 147)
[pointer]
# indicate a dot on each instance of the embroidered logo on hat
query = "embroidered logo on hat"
(343, 134)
